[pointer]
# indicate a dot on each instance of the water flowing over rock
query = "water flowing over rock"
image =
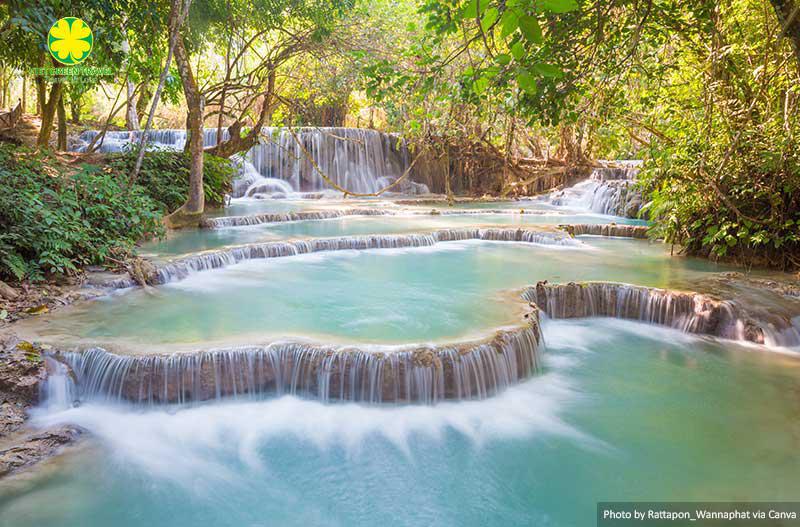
(22, 372)
(686, 311)
(424, 374)
(25, 380)
(181, 268)
(609, 190)
(608, 229)
(359, 160)
(258, 219)
(118, 141)
(59, 389)
(311, 215)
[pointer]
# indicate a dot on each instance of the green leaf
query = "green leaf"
(548, 70)
(509, 23)
(503, 58)
(489, 18)
(480, 85)
(558, 6)
(530, 29)
(471, 9)
(527, 82)
(518, 50)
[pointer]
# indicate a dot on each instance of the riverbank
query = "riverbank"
(23, 372)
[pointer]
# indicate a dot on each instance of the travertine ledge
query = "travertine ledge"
(688, 311)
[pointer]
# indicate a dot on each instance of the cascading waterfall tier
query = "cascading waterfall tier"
(687, 311)
(169, 139)
(420, 374)
(606, 229)
(609, 190)
(359, 160)
(270, 217)
(181, 268)
(260, 219)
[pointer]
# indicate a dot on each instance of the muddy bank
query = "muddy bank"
(26, 300)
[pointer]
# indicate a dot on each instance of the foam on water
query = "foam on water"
(185, 443)
(542, 452)
(609, 191)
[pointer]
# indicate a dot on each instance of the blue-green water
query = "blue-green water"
(623, 411)
(206, 239)
(388, 296)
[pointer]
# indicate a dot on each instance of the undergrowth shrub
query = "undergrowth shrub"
(739, 203)
(54, 219)
(165, 176)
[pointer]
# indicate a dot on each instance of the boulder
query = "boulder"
(8, 292)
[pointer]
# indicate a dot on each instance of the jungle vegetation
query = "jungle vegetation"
(705, 92)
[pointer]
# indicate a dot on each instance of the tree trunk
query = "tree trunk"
(141, 103)
(190, 213)
(3, 87)
(62, 124)
(131, 118)
(24, 93)
(178, 13)
(75, 111)
(41, 93)
(788, 12)
(48, 112)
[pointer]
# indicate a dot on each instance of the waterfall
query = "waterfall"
(169, 139)
(251, 184)
(58, 391)
(181, 268)
(688, 312)
(607, 229)
(608, 190)
(359, 160)
(425, 374)
(258, 219)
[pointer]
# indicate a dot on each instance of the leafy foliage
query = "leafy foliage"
(724, 170)
(54, 221)
(165, 176)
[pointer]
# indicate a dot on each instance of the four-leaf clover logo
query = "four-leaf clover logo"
(70, 41)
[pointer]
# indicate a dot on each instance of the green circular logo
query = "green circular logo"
(70, 41)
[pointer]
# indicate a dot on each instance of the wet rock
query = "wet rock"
(8, 292)
(422, 357)
(35, 447)
(22, 371)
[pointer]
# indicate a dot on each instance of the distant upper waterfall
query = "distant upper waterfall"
(609, 190)
(356, 159)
